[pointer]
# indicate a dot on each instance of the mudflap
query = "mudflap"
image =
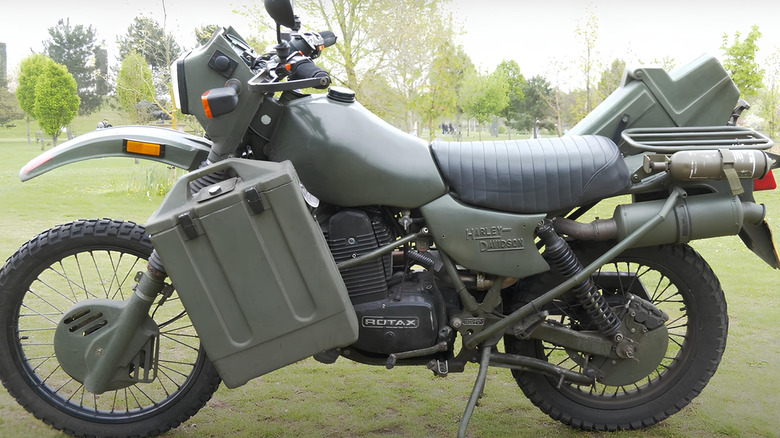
(758, 238)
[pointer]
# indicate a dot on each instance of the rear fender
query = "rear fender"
(164, 145)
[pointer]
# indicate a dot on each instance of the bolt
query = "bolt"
(633, 330)
(99, 352)
(618, 337)
(457, 323)
(351, 241)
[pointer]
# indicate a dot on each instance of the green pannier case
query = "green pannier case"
(252, 269)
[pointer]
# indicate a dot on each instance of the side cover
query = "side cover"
(167, 146)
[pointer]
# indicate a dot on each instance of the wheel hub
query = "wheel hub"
(84, 334)
(641, 345)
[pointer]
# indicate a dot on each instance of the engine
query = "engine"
(396, 311)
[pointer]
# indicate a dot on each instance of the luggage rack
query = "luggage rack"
(671, 140)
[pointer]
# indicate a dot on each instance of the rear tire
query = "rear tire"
(42, 280)
(679, 282)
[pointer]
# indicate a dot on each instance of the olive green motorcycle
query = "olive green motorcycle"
(307, 226)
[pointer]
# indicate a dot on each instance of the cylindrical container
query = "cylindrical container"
(711, 164)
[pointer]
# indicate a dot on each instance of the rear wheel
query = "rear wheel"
(47, 276)
(676, 280)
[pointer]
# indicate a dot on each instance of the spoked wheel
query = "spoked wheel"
(676, 280)
(87, 260)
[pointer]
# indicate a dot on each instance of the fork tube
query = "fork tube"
(136, 309)
(556, 292)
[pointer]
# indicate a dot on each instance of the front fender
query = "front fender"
(167, 146)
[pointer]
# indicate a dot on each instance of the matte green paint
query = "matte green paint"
(261, 287)
(181, 150)
(347, 156)
(694, 217)
(483, 240)
(100, 360)
(699, 94)
(225, 131)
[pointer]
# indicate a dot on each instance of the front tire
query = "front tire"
(41, 281)
(679, 282)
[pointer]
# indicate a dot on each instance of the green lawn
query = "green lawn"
(347, 399)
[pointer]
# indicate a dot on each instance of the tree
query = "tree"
(9, 107)
(30, 69)
(56, 100)
(439, 97)
(159, 48)
(359, 54)
(611, 79)
(587, 29)
(134, 84)
(148, 38)
(204, 33)
(3, 66)
(409, 32)
(536, 95)
(769, 99)
(514, 111)
(75, 48)
(740, 62)
(485, 96)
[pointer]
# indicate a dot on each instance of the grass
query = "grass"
(351, 400)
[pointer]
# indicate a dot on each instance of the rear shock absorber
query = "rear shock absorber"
(560, 255)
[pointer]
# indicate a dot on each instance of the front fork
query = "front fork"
(122, 342)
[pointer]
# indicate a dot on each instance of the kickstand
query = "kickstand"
(476, 393)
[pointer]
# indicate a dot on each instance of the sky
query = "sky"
(538, 34)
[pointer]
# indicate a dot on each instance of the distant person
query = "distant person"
(104, 124)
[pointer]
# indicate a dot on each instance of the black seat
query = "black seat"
(533, 176)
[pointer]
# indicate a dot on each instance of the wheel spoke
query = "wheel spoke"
(101, 266)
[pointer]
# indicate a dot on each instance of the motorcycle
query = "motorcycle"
(307, 226)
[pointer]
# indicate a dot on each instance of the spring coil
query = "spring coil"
(561, 256)
(421, 258)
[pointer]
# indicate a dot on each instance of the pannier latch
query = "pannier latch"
(254, 200)
(188, 226)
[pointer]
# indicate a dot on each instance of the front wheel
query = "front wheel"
(47, 276)
(676, 280)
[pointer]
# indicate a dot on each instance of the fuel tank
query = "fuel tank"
(347, 156)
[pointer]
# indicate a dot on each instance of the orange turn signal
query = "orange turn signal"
(206, 107)
(143, 148)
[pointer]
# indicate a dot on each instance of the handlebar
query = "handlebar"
(307, 69)
(310, 43)
(293, 59)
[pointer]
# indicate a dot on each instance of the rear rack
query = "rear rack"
(670, 140)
